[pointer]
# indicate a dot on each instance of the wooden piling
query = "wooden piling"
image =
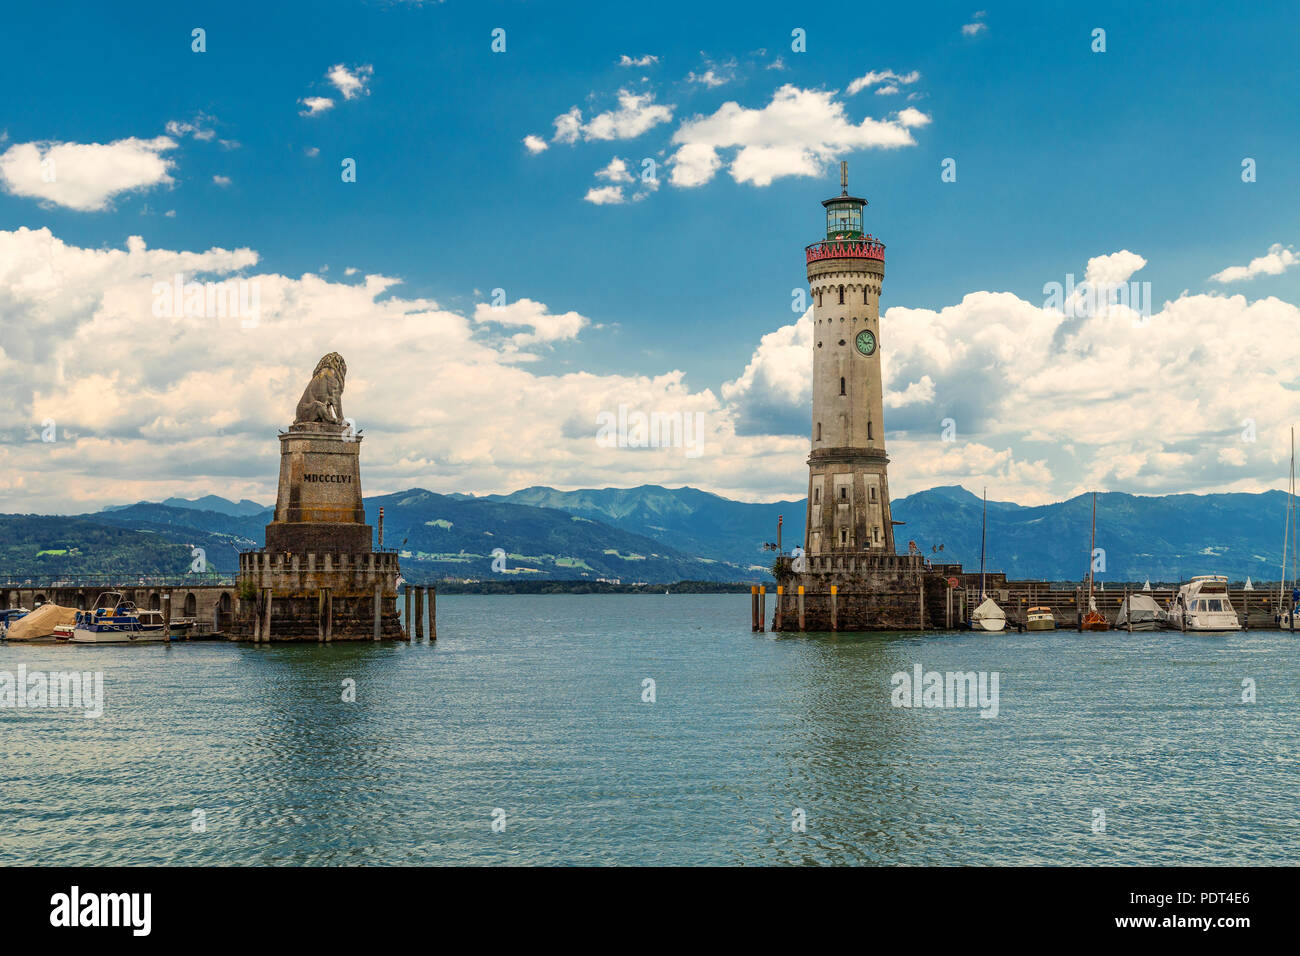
(948, 609)
(320, 615)
(406, 621)
(753, 607)
(835, 616)
(329, 615)
(266, 630)
(801, 617)
(780, 591)
(762, 608)
(167, 614)
(419, 615)
(433, 614)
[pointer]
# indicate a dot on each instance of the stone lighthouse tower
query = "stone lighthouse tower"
(848, 488)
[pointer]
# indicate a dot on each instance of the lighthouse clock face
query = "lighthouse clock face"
(866, 342)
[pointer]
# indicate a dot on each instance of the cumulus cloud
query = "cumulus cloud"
(543, 327)
(1044, 405)
(1047, 404)
(222, 181)
(605, 195)
(796, 134)
(534, 144)
(874, 78)
(1277, 260)
(86, 176)
(154, 406)
(350, 83)
(315, 105)
(646, 60)
(636, 113)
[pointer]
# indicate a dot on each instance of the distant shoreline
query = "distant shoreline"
(584, 587)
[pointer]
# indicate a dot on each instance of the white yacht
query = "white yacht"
(1202, 604)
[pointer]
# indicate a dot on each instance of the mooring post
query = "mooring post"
(266, 630)
(1245, 610)
(835, 614)
(1078, 610)
(419, 615)
(433, 613)
(762, 608)
(329, 615)
(801, 617)
(406, 621)
(320, 615)
(780, 591)
(379, 610)
(948, 608)
(167, 614)
(753, 607)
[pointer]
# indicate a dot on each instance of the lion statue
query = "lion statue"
(322, 400)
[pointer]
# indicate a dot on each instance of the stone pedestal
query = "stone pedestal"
(318, 507)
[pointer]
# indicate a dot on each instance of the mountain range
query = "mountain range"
(656, 534)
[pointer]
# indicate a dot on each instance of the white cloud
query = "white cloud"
(874, 78)
(534, 144)
(1045, 405)
(85, 176)
(646, 60)
(615, 172)
(1278, 259)
(312, 151)
(605, 195)
(546, 328)
(350, 83)
(315, 105)
(222, 181)
(636, 113)
(796, 134)
(709, 78)
(972, 29)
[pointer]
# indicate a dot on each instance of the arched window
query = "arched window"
(819, 298)
(819, 431)
(841, 295)
(841, 385)
(873, 494)
(869, 430)
(844, 492)
(817, 496)
(864, 296)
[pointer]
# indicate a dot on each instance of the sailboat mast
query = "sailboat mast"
(1092, 547)
(1286, 534)
(984, 524)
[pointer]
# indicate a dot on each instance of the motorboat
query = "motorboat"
(115, 620)
(1202, 604)
(1040, 619)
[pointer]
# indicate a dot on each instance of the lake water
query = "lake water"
(533, 706)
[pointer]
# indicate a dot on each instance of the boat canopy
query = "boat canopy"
(1140, 607)
(988, 611)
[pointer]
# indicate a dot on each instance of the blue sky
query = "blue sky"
(1062, 155)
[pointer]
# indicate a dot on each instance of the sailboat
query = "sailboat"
(988, 616)
(1286, 610)
(1094, 620)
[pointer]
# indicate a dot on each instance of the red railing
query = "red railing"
(867, 248)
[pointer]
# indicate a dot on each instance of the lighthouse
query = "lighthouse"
(848, 485)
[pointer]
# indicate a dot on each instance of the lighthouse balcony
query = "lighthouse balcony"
(867, 247)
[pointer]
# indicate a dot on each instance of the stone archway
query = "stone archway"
(191, 605)
(223, 612)
(155, 601)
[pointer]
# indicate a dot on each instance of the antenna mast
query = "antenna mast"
(844, 177)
